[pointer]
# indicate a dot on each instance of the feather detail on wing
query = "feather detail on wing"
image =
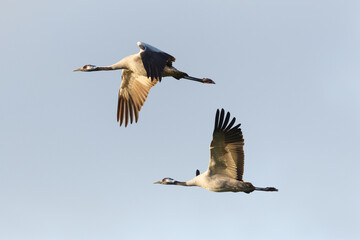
(226, 148)
(154, 60)
(133, 92)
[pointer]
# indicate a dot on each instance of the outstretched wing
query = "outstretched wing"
(132, 95)
(226, 148)
(154, 60)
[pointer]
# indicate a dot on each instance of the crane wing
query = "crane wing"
(226, 148)
(154, 60)
(133, 92)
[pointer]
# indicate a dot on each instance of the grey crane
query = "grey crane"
(226, 167)
(140, 72)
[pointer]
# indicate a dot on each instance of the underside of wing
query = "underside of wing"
(154, 60)
(133, 92)
(226, 148)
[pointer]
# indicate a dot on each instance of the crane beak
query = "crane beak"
(79, 69)
(158, 182)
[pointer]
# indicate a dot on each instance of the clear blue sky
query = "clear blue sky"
(287, 70)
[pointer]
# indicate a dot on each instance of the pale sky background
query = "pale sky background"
(287, 70)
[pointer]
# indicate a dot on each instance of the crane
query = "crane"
(140, 72)
(226, 167)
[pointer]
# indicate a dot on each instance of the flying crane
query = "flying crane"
(140, 72)
(226, 167)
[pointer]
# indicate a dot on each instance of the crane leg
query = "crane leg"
(202, 80)
(267, 189)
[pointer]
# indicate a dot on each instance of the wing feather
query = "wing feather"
(226, 119)
(226, 148)
(126, 112)
(133, 92)
(154, 60)
(231, 124)
(121, 110)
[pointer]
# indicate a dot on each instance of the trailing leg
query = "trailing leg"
(267, 189)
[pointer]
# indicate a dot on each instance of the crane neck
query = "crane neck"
(180, 183)
(123, 63)
(188, 183)
(103, 68)
(191, 182)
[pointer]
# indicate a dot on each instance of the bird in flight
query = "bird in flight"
(226, 167)
(140, 72)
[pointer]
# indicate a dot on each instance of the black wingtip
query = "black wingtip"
(227, 118)
(223, 122)
(230, 124)
(216, 118)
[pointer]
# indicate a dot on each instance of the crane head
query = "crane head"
(166, 181)
(86, 68)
